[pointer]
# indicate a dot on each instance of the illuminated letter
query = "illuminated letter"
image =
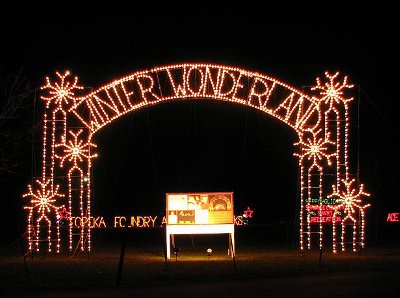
(239, 220)
(85, 221)
(179, 88)
(80, 222)
(138, 218)
(133, 222)
(263, 96)
(116, 218)
(102, 223)
(146, 87)
(95, 221)
(153, 220)
(106, 105)
(226, 76)
(123, 218)
(287, 105)
(236, 89)
(146, 221)
(208, 80)
(393, 217)
(128, 93)
(164, 221)
(295, 107)
(189, 84)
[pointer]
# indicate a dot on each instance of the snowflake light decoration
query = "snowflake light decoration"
(332, 92)
(315, 149)
(350, 197)
(43, 199)
(349, 200)
(75, 150)
(61, 93)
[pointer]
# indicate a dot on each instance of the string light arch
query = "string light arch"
(328, 196)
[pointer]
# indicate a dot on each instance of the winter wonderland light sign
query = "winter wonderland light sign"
(330, 199)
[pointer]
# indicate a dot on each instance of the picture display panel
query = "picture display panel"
(200, 208)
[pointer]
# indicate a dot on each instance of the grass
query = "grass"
(145, 267)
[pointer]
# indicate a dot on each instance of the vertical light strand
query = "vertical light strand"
(88, 189)
(346, 138)
(338, 147)
(58, 236)
(37, 235)
(343, 236)
(30, 232)
(49, 234)
(320, 174)
(362, 228)
(309, 196)
(334, 232)
(44, 155)
(301, 202)
(82, 215)
(354, 235)
(81, 199)
(70, 240)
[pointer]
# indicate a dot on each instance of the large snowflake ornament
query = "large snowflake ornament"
(75, 149)
(315, 148)
(332, 91)
(349, 198)
(61, 93)
(43, 199)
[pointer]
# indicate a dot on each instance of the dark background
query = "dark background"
(199, 145)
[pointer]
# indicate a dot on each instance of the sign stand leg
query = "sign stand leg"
(168, 246)
(168, 243)
(229, 245)
(165, 250)
(173, 240)
(233, 244)
(232, 251)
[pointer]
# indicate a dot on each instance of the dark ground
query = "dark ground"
(262, 269)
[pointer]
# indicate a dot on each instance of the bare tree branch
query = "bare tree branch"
(15, 120)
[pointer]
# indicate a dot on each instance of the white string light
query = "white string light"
(321, 121)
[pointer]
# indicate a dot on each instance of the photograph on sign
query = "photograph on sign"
(200, 208)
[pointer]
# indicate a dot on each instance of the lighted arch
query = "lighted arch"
(323, 139)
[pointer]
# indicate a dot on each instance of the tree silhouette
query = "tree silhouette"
(16, 102)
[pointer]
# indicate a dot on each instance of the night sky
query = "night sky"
(203, 145)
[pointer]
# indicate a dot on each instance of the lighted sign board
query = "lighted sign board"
(200, 208)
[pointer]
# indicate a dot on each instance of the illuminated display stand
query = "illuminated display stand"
(331, 197)
(172, 230)
(200, 213)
